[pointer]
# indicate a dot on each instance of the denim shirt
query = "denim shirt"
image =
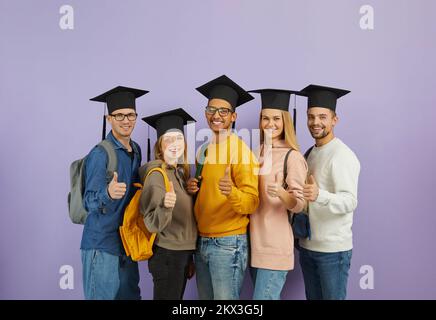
(101, 230)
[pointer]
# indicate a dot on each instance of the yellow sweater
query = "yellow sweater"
(219, 215)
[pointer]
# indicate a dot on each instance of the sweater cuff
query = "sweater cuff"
(323, 197)
(234, 196)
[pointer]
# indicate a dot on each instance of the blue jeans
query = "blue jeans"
(268, 284)
(220, 265)
(325, 274)
(109, 277)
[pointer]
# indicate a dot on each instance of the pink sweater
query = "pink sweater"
(272, 241)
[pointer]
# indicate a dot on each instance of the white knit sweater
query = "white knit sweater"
(336, 171)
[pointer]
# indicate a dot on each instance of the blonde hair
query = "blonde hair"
(159, 155)
(288, 133)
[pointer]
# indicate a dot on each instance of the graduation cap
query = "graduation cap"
(167, 121)
(278, 99)
(323, 97)
(119, 98)
(275, 98)
(225, 88)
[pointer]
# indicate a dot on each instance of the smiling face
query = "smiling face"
(219, 122)
(271, 122)
(122, 129)
(321, 122)
(173, 146)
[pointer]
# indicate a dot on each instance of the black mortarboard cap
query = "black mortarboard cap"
(162, 122)
(275, 98)
(225, 88)
(119, 98)
(173, 119)
(278, 99)
(323, 97)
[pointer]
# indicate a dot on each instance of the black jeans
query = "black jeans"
(168, 268)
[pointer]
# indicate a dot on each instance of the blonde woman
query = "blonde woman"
(169, 214)
(271, 238)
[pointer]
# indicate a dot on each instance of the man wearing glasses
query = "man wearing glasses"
(227, 194)
(107, 272)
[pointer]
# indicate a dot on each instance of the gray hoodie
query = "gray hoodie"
(176, 228)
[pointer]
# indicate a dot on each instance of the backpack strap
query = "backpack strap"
(112, 156)
(285, 164)
(200, 163)
(293, 216)
(306, 154)
(285, 169)
(164, 174)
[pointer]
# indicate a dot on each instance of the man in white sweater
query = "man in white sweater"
(331, 192)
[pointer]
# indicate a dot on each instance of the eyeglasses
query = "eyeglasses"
(223, 112)
(121, 116)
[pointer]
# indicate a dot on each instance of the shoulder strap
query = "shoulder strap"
(306, 154)
(112, 156)
(200, 163)
(285, 168)
(164, 174)
(285, 165)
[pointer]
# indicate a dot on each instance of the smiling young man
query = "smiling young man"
(107, 272)
(227, 195)
(332, 194)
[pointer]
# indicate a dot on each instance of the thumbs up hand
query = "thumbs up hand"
(225, 183)
(311, 190)
(274, 189)
(170, 197)
(116, 189)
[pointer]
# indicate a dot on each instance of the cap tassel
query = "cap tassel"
(148, 145)
(295, 120)
(295, 114)
(103, 134)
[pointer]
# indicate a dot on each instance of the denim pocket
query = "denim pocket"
(346, 258)
(94, 256)
(227, 243)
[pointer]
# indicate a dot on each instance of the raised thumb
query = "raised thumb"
(311, 180)
(115, 178)
(227, 172)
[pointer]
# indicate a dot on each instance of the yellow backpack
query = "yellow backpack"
(137, 240)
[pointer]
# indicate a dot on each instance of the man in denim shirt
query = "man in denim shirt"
(107, 272)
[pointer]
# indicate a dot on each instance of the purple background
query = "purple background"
(47, 76)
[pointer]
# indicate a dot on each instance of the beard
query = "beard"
(322, 134)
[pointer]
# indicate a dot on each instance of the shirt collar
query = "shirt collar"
(118, 144)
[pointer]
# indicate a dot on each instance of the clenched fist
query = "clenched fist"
(192, 185)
